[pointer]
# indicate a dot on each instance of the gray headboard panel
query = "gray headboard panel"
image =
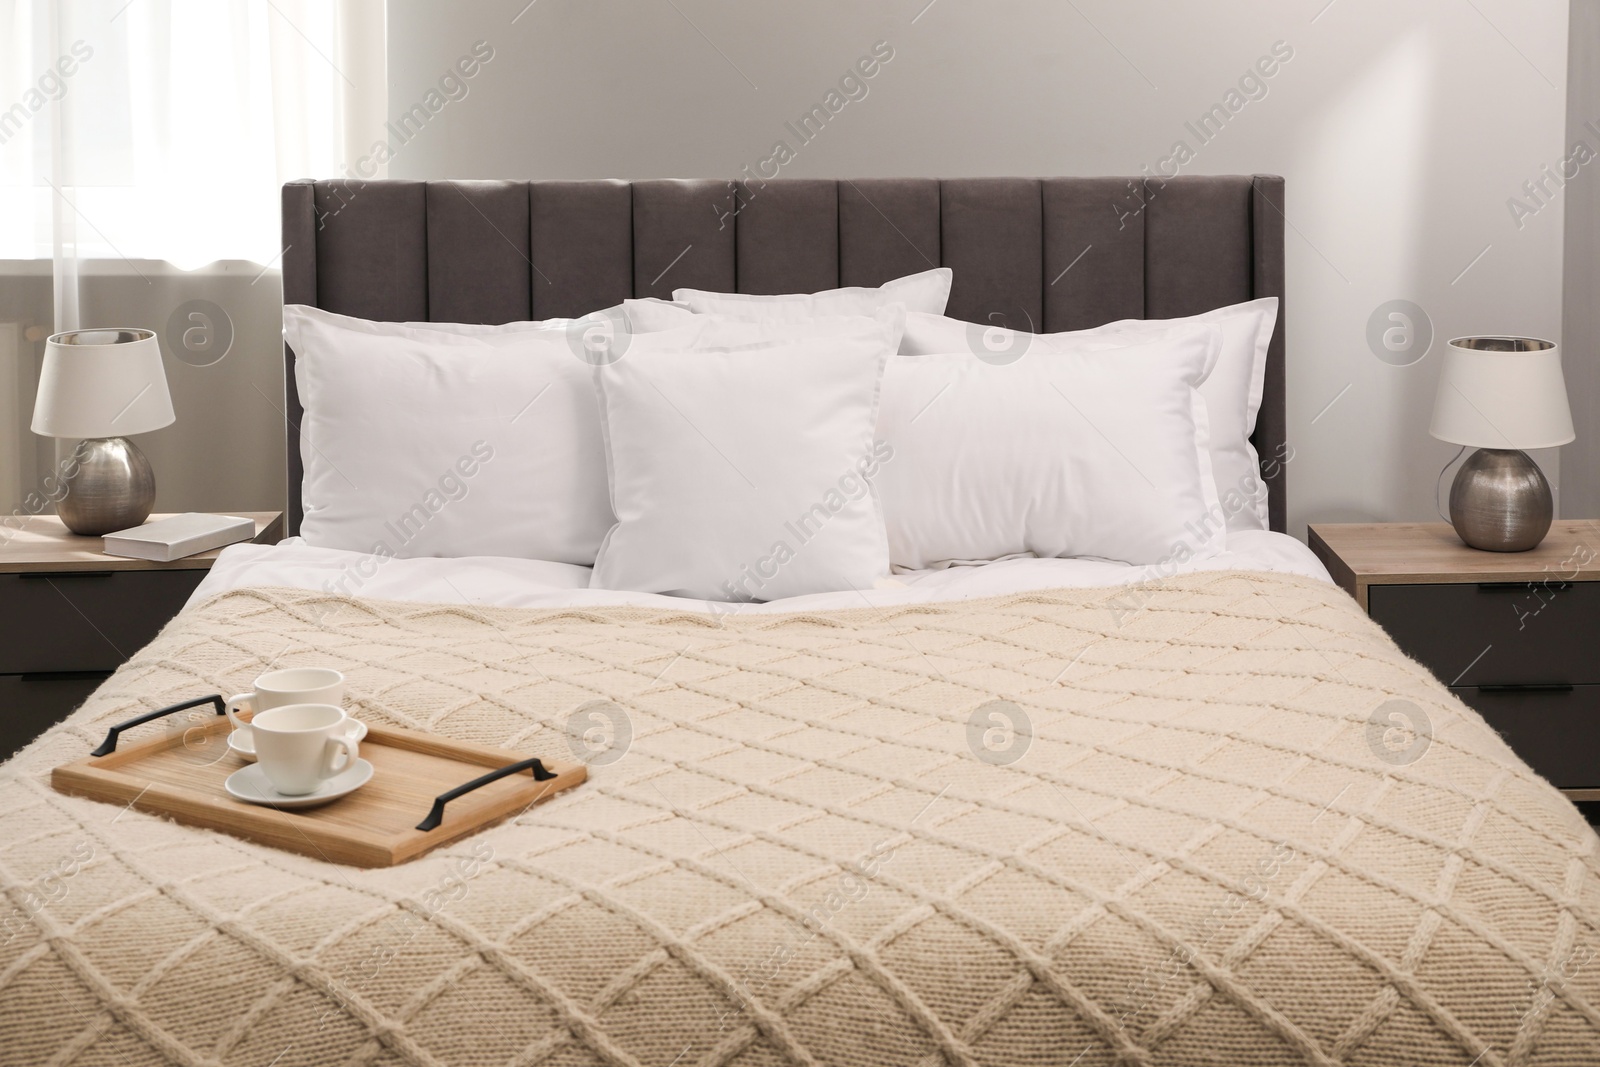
(1042, 254)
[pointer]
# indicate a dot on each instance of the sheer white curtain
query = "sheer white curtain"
(163, 129)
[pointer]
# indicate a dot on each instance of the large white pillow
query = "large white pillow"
(740, 457)
(926, 292)
(1232, 391)
(1100, 453)
(598, 337)
(446, 439)
(650, 315)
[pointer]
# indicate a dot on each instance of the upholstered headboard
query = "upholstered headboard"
(1043, 254)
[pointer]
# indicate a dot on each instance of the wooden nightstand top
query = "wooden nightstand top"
(41, 543)
(1360, 555)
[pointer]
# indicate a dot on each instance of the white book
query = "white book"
(179, 536)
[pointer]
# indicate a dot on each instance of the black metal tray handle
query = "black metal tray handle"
(436, 816)
(109, 745)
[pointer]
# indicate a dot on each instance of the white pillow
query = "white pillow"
(1232, 392)
(740, 457)
(928, 292)
(649, 315)
(632, 316)
(447, 439)
(598, 337)
(1087, 453)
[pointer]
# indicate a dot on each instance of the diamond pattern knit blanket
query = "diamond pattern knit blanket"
(1216, 820)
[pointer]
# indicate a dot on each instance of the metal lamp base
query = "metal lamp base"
(109, 486)
(1500, 501)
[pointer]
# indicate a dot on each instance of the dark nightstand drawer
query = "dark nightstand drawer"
(1500, 633)
(32, 703)
(85, 621)
(1556, 730)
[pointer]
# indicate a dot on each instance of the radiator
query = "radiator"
(18, 445)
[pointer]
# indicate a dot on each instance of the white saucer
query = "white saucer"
(243, 741)
(250, 784)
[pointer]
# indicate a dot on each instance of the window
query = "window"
(163, 129)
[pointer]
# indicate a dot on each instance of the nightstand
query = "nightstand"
(1516, 635)
(70, 615)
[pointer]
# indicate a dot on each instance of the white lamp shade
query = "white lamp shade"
(102, 383)
(1502, 392)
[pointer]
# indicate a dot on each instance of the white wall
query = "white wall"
(225, 451)
(1402, 131)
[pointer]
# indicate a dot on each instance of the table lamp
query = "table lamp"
(1501, 395)
(102, 385)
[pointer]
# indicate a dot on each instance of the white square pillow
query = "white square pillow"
(740, 457)
(1232, 391)
(447, 439)
(927, 292)
(1099, 453)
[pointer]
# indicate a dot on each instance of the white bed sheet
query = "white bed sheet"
(503, 582)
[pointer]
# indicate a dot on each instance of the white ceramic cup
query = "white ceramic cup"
(292, 685)
(299, 746)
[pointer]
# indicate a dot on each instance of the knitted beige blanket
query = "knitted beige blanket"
(1217, 820)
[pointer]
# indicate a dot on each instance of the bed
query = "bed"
(1196, 843)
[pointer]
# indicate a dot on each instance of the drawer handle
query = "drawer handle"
(109, 745)
(436, 816)
(50, 576)
(1514, 587)
(63, 676)
(1553, 687)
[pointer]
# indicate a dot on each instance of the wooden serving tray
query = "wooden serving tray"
(418, 779)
